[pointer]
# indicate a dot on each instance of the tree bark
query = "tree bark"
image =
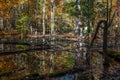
(106, 61)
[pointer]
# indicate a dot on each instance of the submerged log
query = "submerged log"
(21, 51)
(24, 43)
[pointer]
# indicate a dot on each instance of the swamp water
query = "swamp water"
(63, 59)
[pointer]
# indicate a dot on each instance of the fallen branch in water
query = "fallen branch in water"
(24, 43)
(21, 51)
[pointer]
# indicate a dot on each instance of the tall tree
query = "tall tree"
(43, 24)
(52, 17)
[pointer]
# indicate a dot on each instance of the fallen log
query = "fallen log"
(21, 51)
(24, 43)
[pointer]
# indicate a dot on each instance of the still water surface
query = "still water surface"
(63, 56)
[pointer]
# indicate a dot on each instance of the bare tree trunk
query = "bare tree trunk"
(105, 51)
(105, 31)
(43, 24)
(52, 18)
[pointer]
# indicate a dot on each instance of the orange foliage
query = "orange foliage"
(6, 5)
(6, 15)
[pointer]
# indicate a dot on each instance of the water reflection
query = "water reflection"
(68, 77)
(62, 56)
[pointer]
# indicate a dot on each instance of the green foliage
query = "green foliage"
(23, 18)
(53, 74)
(21, 47)
(5, 73)
(87, 9)
(114, 54)
(22, 21)
(70, 60)
(102, 9)
(71, 8)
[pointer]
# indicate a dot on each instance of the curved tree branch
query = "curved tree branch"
(96, 32)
